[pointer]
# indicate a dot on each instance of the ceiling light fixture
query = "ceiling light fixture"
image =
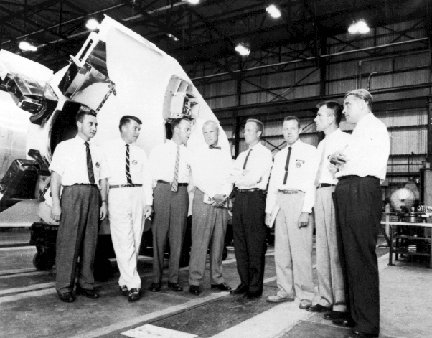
(193, 2)
(273, 11)
(359, 27)
(242, 48)
(26, 46)
(92, 24)
(172, 37)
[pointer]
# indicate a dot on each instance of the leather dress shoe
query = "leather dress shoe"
(252, 295)
(332, 315)
(363, 334)
(240, 290)
(124, 290)
(155, 287)
(67, 297)
(89, 293)
(195, 290)
(305, 304)
(279, 298)
(319, 308)
(134, 294)
(344, 322)
(175, 286)
(221, 287)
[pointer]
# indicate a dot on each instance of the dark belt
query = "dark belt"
(355, 176)
(325, 185)
(124, 186)
(250, 190)
(178, 184)
(288, 191)
(81, 184)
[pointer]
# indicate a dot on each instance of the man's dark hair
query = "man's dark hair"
(335, 106)
(175, 122)
(258, 123)
(83, 111)
(127, 119)
(361, 94)
(292, 118)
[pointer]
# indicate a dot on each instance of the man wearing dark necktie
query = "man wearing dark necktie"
(291, 195)
(129, 201)
(170, 167)
(211, 168)
(250, 175)
(77, 167)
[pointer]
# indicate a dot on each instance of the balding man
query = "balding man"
(211, 176)
(358, 203)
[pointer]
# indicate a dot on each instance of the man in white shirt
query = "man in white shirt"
(358, 203)
(76, 167)
(250, 175)
(170, 166)
(330, 278)
(211, 168)
(291, 195)
(129, 201)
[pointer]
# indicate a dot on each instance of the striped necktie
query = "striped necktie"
(128, 175)
(174, 183)
(89, 164)
(286, 165)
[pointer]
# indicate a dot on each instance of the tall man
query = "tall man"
(251, 173)
(170, 165)
(130, 199)
(330, 278)
(77, 166)
(291, 195)
(211, 168)
(358, 202)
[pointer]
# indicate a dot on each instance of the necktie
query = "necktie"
(89, 164)
(128, 175)
(286, 165)
(174, 184)
(246, 159)
(212, 146)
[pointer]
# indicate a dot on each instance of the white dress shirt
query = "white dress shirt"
(302, 171)
(368, 149)
(139, 166)
(70, 162)
(257, 171)
(334, 142)
(211, 169)
(163, 159)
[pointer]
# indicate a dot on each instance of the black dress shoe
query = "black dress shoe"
(134, 294)
(344, 322)
(221, 287)
(363, 334)
(124, 290)
(155, 287)
(319, 308)
(89, 293)
(195, 290)
(67, 297)
(253, 295)
(175, 286)
(332, 315)
(240, 290)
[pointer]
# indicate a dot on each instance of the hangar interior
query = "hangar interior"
(295, 61)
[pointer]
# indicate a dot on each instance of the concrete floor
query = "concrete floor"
(30, 308)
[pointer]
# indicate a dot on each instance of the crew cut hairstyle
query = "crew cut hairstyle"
(292, 118)
(335, 106)
(83, 111)
(361, 94)
(175, 122)
(258, 123)
(127, 119)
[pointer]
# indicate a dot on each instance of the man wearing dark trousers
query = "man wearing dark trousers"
(358, 205)
(77, 166)
(170, 167)
(250, 175)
